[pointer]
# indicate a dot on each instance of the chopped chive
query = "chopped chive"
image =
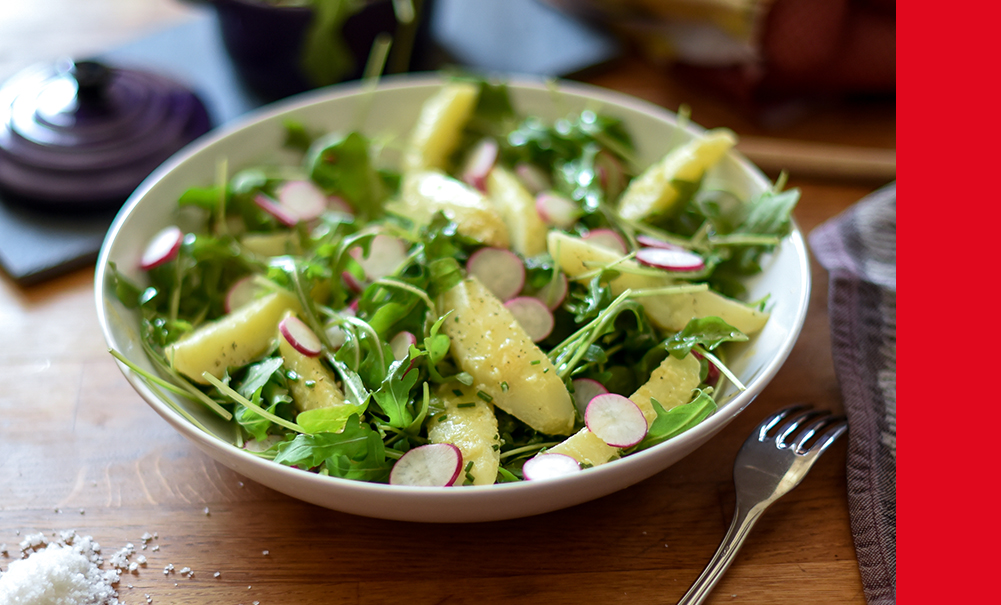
(457, 392)
(468, 404)
(544, 370)
(442, 417)
(310, 383)
(495, 447)
(536, 362)
(504, 386)
(484, 396)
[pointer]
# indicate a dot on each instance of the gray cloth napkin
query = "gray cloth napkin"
(858, 249)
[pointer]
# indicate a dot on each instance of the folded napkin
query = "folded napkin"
(858, 249)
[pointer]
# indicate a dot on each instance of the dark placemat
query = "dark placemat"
(859, 250)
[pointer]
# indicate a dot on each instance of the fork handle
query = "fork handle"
(744, 519)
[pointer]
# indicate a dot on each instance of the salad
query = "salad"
(492, 297)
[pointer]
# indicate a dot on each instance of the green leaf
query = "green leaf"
(201, 197)
(710, 332)
(126, 291)
(672, 423)
(258, 375)
(352, 447)
(327, 420)
(394, 394)
(326, 57)
(341, 164)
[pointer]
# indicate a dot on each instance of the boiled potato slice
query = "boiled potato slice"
(653, 192)
(517, 207)
(233, 340)
(671, 384)
(439, 126)
(489, 344)
(468, 423)
(666, 311)
(586, 448)
(315, 387)
(425, 192)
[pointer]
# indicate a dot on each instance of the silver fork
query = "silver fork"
(769, 464)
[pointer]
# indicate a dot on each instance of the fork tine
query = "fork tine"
(829, 437)
(811, 430)
(792, 425)
(769, 423)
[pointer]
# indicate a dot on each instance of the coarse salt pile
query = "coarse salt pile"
(66, 572)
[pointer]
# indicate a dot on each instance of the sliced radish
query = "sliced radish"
(337, 204)
(532, 315)
(385, 256)
(353, 283)
(351, 309)
(652, 242)
(479, 163)
(670, 260)
(554, 292)
(300, 336)
(401, 343)
(499, 270)
(432, 465)
(302, 199)
(549, 466)
(616, 420)
(532, 177)
(162, 247)
(608, 239)
(611, 173)
(241, 292)
(282, 214)
(584, 390)
(556, 210)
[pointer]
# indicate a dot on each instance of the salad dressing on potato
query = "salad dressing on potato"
(371, 348)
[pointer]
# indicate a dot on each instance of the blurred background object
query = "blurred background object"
(756, 51)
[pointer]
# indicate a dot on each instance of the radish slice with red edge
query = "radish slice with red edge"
(280, 213)
(431, 465)
(533, 178)
(300, 336)
(385, 255)
(549, 466)
(584, 390)
(479, 163)
(557, 210)
(499, 270)
(400, 344)
(241, 292)
(608, 239)
(302, 199)
(670, 260)
(652, 242)
(554, 292)
(337, 204)
(162, 247)
(533, 316)
(616, 420)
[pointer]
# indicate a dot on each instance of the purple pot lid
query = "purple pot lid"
(85, 134)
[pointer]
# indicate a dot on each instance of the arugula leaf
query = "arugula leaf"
(357, 452)
(677, 420)
(394, 394)
(328, 420)
(258, 375)
(126, 291)
(341, 164)
(710, 332)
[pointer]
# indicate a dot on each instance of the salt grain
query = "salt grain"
(266, 552)
(60, 574)
(216, 574)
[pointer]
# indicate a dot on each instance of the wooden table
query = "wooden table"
(80, 450)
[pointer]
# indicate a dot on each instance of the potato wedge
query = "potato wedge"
(468, 423)
(489, 344)
(517, 207)
(316, 386)
(666, 311)
(233, 340)
(439, 126)
(653, 192)
(425, 192)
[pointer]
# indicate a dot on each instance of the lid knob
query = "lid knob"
(92, 79)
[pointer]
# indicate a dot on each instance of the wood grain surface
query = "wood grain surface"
(80, 450)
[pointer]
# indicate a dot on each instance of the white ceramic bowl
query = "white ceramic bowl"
(393, 109)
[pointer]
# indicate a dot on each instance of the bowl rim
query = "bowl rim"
(714, 423)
